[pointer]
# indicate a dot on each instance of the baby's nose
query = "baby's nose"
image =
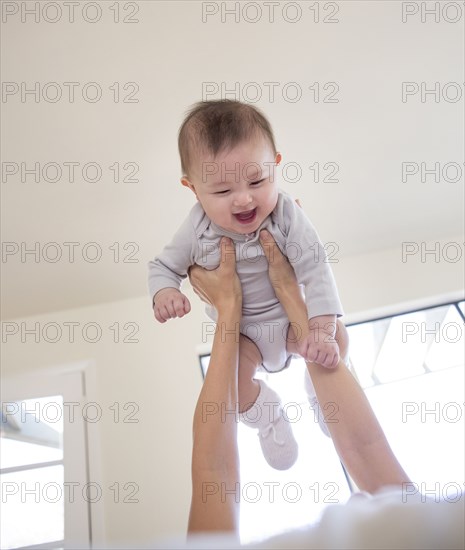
(243, 199)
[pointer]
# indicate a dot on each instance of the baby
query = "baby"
(228, 159)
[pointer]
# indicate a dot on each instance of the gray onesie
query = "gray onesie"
(264, 320)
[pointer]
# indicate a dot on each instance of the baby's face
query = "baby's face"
(237, 189)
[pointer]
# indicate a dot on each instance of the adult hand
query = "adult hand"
(280, 271)
(218, 287)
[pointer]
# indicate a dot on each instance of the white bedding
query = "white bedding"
(386, 520)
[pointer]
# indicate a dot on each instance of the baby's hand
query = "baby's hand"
(170, 303)
(320, 347)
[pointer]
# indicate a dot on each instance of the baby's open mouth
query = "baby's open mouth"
(246, 217)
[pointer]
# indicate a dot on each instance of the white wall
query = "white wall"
(161, 374)
(376, 284)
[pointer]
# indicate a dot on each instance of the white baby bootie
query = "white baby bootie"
(277, 441)
(312, 399)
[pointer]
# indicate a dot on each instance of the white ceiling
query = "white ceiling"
(171, 53)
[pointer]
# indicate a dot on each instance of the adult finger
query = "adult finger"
(201, 295)
(192, 273)
(271, 249)
(228, 256)
(196, 276)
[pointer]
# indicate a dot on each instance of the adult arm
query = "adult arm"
(311, 263)
(215, 459)
(356, 433)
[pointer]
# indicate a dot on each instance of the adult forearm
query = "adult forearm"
(355, 430)
(215, 459)
(356, 433)
(214, 418)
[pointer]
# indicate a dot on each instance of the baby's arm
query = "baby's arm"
(169, 303)
(167, 271)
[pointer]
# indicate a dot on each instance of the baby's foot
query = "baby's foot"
(277, 441)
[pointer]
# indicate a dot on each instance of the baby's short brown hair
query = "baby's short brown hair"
(214, 126)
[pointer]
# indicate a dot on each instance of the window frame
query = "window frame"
(78, 437)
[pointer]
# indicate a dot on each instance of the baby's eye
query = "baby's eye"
(256, 182)
(222, 192)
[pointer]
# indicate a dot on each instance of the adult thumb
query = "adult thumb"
(228, 254)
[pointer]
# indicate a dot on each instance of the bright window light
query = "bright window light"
(273, 501)
(31, 474)
(411, 367)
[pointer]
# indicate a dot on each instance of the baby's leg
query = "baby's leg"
(262, 410)
(250, 359)
(342, 339)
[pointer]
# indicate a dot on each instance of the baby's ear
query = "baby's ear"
(188, 184)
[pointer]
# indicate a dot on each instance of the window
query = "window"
(411, 367)
(44, 475)
(32, 472)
